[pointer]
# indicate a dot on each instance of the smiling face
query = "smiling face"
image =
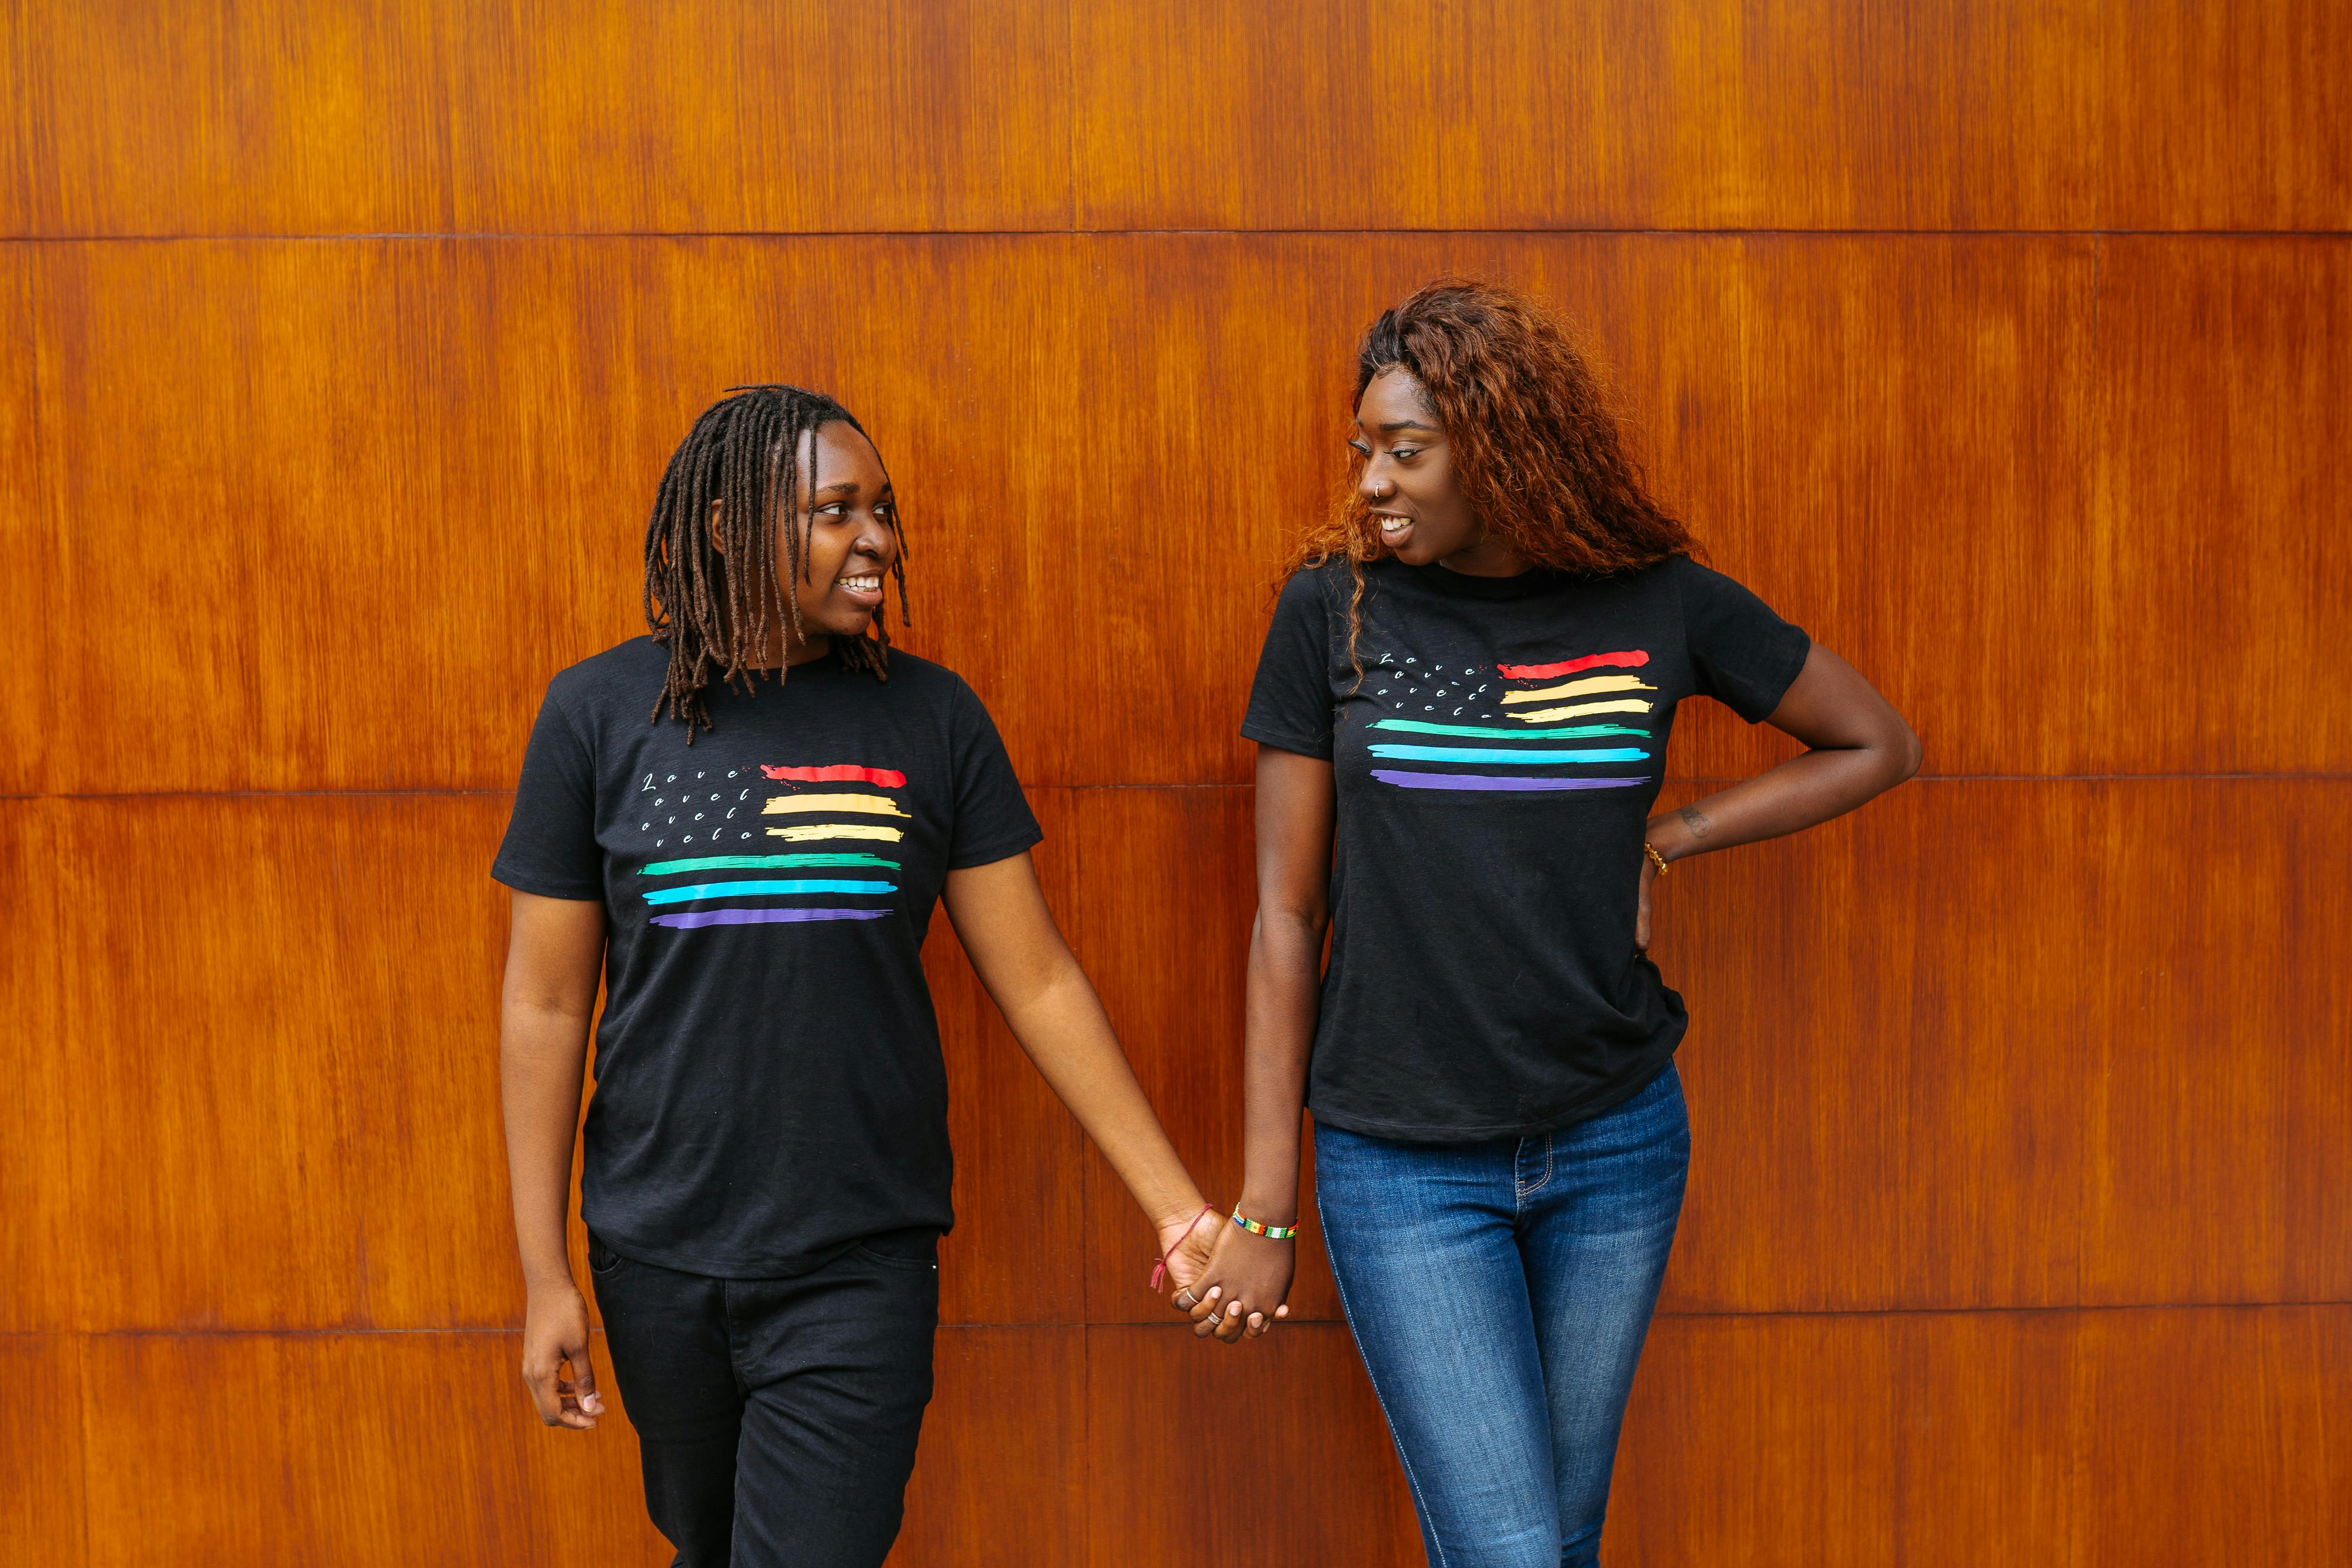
(1409, 483)
(849, 543)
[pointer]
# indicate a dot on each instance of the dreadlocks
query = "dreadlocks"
(712, 594)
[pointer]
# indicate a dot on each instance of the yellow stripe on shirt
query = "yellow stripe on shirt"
(808, 832)
(1580, 689)
(1631, 705)
(860, 805)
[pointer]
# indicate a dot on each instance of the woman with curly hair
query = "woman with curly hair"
(1461, 713)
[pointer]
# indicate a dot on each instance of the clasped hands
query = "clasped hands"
(1232, 1284)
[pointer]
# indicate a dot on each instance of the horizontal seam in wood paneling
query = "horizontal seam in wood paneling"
(238, 238)
(2102, 1309)
(1153, 784)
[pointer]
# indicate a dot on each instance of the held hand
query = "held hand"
(1246, 1286)
(555, 1332)
(1185, 1245)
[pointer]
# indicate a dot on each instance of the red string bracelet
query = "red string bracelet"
(1159, 1268)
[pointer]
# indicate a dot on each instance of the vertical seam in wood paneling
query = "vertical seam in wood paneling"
(2093, 1105)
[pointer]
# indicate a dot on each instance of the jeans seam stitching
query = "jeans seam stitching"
(1405, 1462)
(1542, 1182)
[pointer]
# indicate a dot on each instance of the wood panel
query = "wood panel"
(604, 118)
(1270, 1452)
(2226, 117)
(550, 379)
(41, 1505)
(315, 1079)
(1017, 1254)
(1514, 114)
(1887, 1091)
(536, 390)
(28, 708)
(1911, 1439)
(2216, 1437)
(354, 1449)
(37, 1114)
(359, 1448)
(1926, 1079)
(585, 116)
(1743, 364)
(1155, 889)
(2223, 542)
(1001, 1474)
(283, 1047)
(2221, 1107)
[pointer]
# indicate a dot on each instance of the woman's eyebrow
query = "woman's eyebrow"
(1392, 426)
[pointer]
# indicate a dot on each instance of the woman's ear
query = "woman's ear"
(718, 534)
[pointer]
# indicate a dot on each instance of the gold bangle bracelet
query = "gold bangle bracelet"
(1655, 858)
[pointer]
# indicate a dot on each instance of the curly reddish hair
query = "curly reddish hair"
(1537, 447)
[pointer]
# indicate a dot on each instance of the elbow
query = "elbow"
(1299, 920)
(1908, 754)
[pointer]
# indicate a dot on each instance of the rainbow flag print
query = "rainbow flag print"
(1555, 723)
(725, 872)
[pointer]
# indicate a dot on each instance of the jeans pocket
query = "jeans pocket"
(889, 1261)
(603, 1261)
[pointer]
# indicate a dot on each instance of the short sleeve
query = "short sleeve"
(1741, 654)
(993, 820)
(550, 845)
(1290, 700)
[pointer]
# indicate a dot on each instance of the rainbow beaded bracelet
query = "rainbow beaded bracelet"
(1271, 1232)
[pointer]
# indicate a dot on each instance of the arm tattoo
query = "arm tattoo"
(1697, 822)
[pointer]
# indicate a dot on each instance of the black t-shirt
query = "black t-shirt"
(769, 1083)
(1493, 769)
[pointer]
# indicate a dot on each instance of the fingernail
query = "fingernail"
(1215, 1291)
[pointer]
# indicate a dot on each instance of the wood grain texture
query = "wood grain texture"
(1920, 1438)
(283, 1047)
(577, 117)
(2226, 117)
(1926, 1079)
(1017, 1254)
(535, 391)
(1514, 114)
(1273, 1452)
(549, 380)
(1001, 1477)
(41, 1502)
(361, 1448)
(315, 1080)
(38, 1115)
(28, 715)
(1888, 1091)
(2221, 1107)
(1154, 888)
(356, 1449)
(2223, 539)
(2215, 1436)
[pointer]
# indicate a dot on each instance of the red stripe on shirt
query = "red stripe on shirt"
(1630, 659)
(889, 777)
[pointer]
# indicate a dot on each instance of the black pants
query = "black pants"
(777, 1417)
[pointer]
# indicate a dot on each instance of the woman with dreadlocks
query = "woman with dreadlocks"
(1461, 713)
(740, 823)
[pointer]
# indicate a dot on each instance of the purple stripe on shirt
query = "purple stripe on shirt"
(1482, 781)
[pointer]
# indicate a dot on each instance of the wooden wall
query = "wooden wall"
(2005, 345)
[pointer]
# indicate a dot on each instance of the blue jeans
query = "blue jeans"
(1499, 1292)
